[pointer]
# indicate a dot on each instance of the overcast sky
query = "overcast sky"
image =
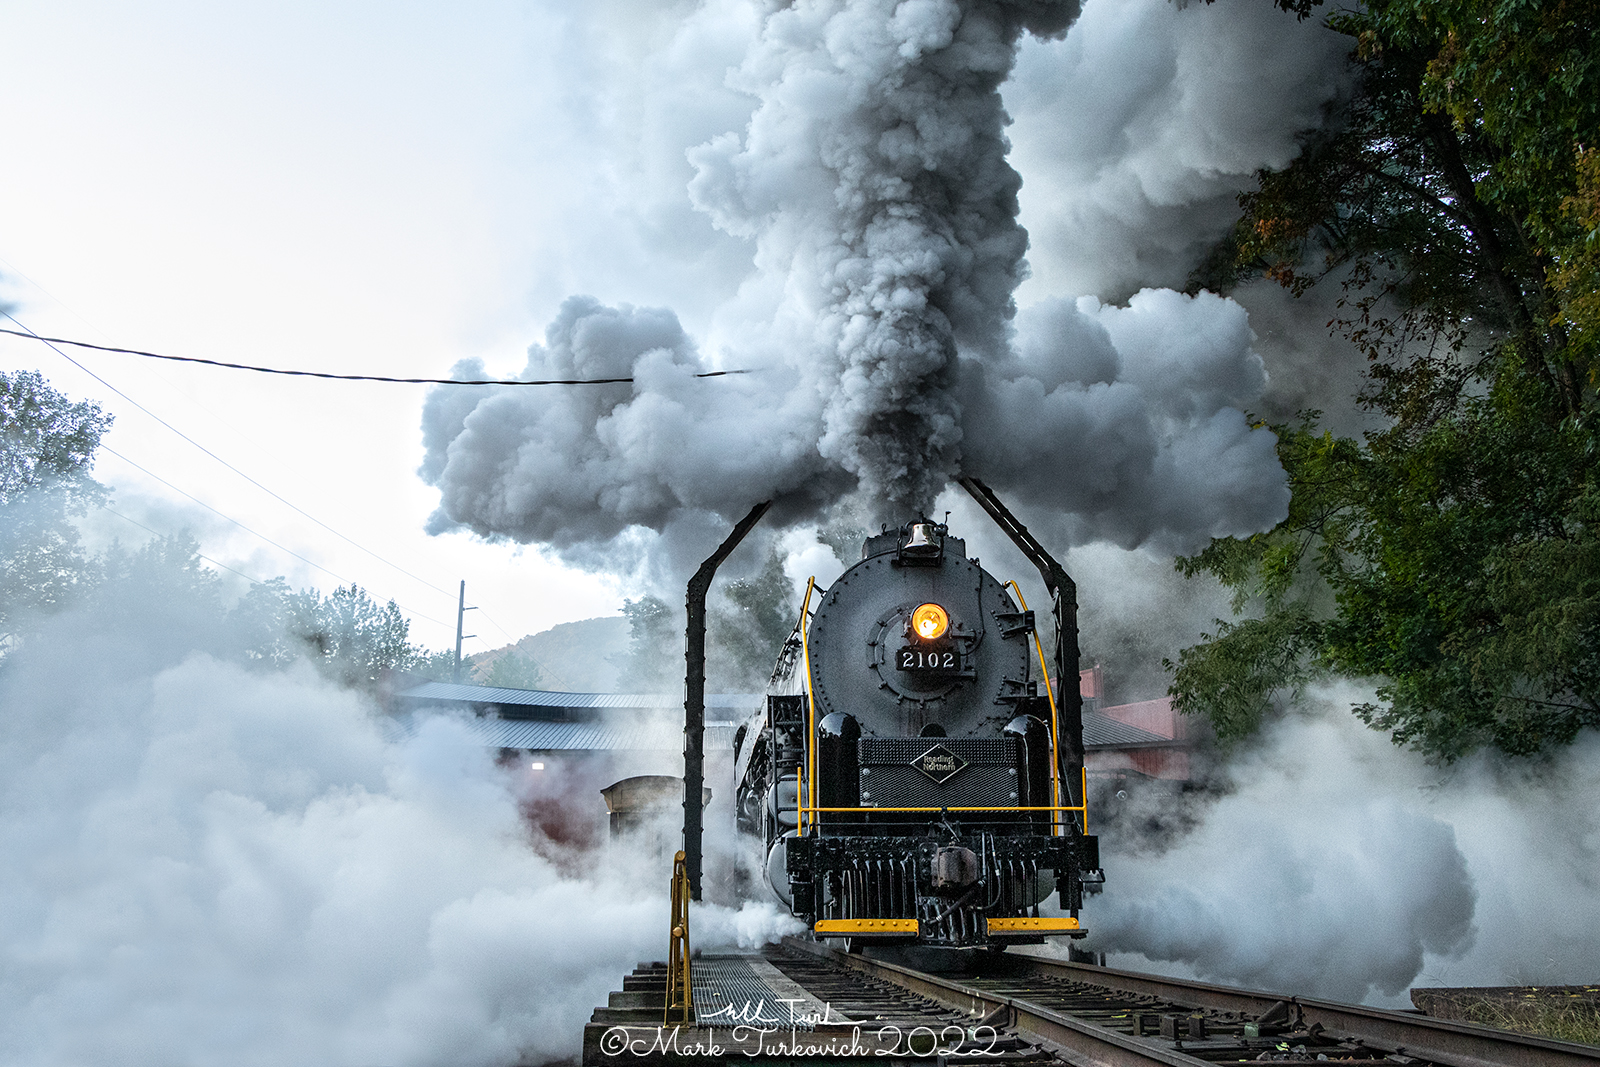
(356, 187)
(388, 188)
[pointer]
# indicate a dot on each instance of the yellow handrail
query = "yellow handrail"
(1050, 692)
(965, 808)
(680, 983)
(809, 779)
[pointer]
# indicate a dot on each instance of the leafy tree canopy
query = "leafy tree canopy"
(747, 620)
(1450, 556)
(47, 445)
(159, 593)
(748, 626)
(349, 636)
(515, 670)
(653, 660)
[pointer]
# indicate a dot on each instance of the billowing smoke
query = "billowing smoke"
(583, 465)
(1137, 131)
(872, 184)
(873, 178)
(1125, 418)
(1339, 865)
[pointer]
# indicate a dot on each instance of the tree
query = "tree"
(350, 637)
(347, 635)
(514, 670)
(1450, 556)
(749, 626)
(47, 446)
(653, 662)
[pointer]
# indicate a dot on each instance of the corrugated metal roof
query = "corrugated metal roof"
(538, 736)
(1102, 732)
(453, 693)
(1099, 732)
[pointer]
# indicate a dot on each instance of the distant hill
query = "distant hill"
(574, 656)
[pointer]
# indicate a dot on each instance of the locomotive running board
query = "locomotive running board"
(1029, 925)
(866, 927)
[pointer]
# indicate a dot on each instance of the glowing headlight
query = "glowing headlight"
(929, 622)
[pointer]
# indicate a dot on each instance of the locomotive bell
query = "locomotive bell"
(920, 543)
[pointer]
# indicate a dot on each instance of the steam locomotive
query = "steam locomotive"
(917, 773)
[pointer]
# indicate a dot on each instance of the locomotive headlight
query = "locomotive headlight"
(930, 622)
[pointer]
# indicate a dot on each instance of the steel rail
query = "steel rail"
(1079, 1043)
(1442, 1040)
(1418, 1037)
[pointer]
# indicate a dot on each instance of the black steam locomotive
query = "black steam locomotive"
(917, 775)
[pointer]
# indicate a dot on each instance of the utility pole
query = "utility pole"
(461, 615)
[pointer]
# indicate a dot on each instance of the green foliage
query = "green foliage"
(349, 636)
(1449, 557)
(1233, 675)
(1457, 566)
(439, 665)
(749, 627)
(1446, 198)
(159, 593)
(653, 662)
(514, 670)
(747, 620)
(47, 445)
(1576, 276)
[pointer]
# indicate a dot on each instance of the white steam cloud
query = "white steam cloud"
(205, 865)
(872, 185)
(1126, 419)
(1137, 131)
(1344, 867)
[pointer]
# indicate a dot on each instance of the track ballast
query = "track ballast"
(805, 1001)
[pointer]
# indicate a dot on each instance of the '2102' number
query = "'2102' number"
(921, 659)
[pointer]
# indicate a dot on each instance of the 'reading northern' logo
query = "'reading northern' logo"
(939, 763)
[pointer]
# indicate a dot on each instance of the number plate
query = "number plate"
(927, 660)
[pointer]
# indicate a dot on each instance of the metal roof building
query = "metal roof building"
(543, 721)
(555, 706)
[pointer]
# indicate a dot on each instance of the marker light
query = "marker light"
(929, 622)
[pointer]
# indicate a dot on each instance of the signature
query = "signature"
(746, 1013)
(752, 1041)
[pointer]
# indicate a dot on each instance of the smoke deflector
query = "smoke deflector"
(694, 693)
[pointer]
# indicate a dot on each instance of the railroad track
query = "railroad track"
(809, 1001)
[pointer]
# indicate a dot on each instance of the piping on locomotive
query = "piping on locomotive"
(912, 777)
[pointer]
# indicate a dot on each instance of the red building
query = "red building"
(1144, 740)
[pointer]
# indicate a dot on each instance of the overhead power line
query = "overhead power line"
(52, 344)
(30, 335)
(255, 533)
(341, 579)
(202, 555)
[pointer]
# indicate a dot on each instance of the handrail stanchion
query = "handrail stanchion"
(680, 984)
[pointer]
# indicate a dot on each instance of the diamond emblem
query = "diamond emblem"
(939, 763)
